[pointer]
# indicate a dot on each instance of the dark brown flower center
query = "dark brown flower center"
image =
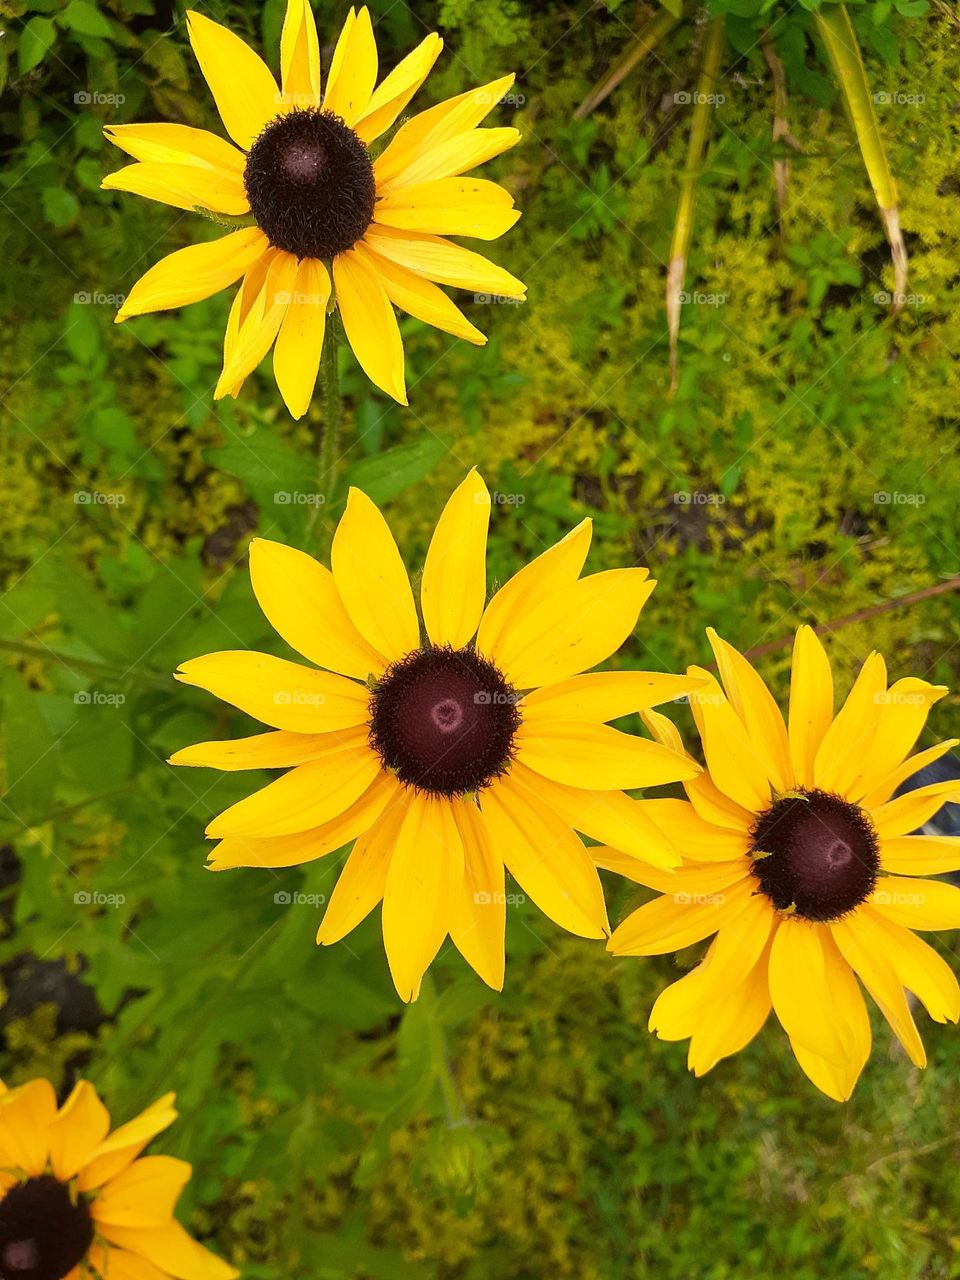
(444, 720)
(815, 854)
(310, 184)
(43, 1233)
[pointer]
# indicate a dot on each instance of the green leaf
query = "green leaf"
(85, 18)
(31, 760)
(59, 207)
(388, 474)
(36, 40)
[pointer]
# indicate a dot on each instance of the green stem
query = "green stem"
(332, 413)
(90, 666)
(453, 1103)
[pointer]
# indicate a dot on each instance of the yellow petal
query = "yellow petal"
(363, 876)
(353, 71)
(369, 322)
(545, 857)
(694, 881)
(716, 808)
(910, 811)
(300, 600)
(692, 835)
(726, 1026)
(920, 855)
(307, 846)
(450, 207)
(442, 261)
(143, 1195)
(174, 1252)
(678, 918)
(571, 630)
(396, 89)
(242, 86)
(927, 905)
(419, 298)
(261, 324)
(478, 919)
(279, 693)
(802, 967)
(437, 124)
(448, 159)
(454, 584)
(738, 765)
(554, 569)
(838, 1080)
(118, 1264)
(850, 735)
(885, 788)
(122, 1147)
(372, 581)
(423, 880)
(176, 144)
(903, 713)
(307, 796)
(299, 57)
(811, 702)
(919, 968)
(184, 186)
(608, 816)
(605, 695)
(26, 1116)
(81, 1125)
(865, 952)
(756, 707)
(296, 357)
(194, 273)
(281, 749)
(597, 757)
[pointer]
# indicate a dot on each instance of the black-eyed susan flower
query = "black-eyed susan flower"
(802, 864)
(301, 165)
(79, 1202)
(450, 744)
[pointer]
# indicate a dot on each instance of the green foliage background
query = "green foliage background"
(541, 1133)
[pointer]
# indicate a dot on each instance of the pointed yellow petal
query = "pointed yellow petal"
(811, 702)
(864, 950)
(545, 857)
(296, 357)
(282, 694)
(677, 919)
(605, 695)
(27, 1114)
(910, 811)
(450, 207)
(144, 1195)
(372, 581)
(454, 584)
(184, 186)
(726, 1026)
(353, 72)
(757, 708)
(363, 877)
(838, 1080)
(299, 57)
(241, 83)
(279, 750)
(920, 855)
(449, 159)
(176, 144)
(306, 797)
(885, 788)
(369, 322)
(419, 298)
(904, 708)
(395, 90)
(571, 630)
(81, 1125)
(122, 1147)
(851, 734)
(478, 919)
(423, 880)
(557, 567)
(801, 967)
(693, 836)
(927, 905)
(738, 765)
(174, 1252)
(919, 968)
(194, 273)
(443, 261)
(261, 325)
(598, 757)
(300, 600)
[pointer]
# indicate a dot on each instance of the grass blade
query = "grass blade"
(645, 43)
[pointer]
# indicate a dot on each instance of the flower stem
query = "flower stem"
(328, 432)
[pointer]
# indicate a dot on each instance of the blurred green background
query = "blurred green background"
(806, 469)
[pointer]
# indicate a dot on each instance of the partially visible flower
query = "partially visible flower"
(303, 168)
(801, 863)
(78, 1201)
(446, 751)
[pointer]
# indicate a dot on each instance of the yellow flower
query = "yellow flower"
(78, 1201)
(799, 861)
(303, 169)
(445, 758)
